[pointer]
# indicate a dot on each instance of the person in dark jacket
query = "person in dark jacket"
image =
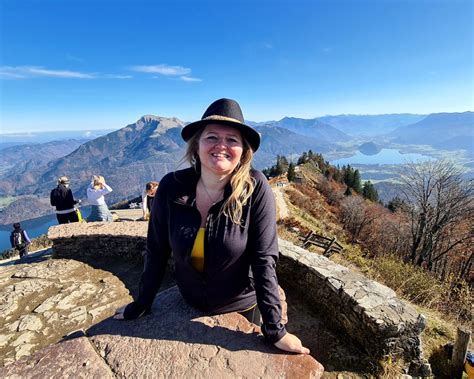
(62, 198)
(19, 239)
(218, 220)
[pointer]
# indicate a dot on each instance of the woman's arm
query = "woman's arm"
(105, 190)
(263, 245)
(144, 204)
(25, 236)
(156, 257)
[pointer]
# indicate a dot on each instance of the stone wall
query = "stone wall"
(366, 311)
(125, 240)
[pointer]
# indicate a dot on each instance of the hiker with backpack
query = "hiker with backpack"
(19, 239)
(63, 199)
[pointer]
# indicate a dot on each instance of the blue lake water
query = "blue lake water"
(34, 227)
(384, 156)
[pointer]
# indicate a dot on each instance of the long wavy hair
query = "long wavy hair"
(241, 182)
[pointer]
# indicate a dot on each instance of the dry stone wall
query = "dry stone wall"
(367, 311)
(125, 240)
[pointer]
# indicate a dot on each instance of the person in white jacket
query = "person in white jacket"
(95, 194)
(147, 198)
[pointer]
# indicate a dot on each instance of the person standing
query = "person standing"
(19, 239)
(95, 194)
(147, 198)
(62, 198)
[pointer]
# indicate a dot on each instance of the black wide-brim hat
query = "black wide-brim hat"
(226, 112)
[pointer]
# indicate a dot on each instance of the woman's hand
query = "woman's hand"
(289, 342)
(119, 313)
(131, 311)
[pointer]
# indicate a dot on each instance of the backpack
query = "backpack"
(17, 239)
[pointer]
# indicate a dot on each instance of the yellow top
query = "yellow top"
(197, 254)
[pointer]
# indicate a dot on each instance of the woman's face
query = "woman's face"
(151, 192)
(220, 149)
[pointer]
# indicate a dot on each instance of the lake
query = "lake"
(384, 156)
(34, 227)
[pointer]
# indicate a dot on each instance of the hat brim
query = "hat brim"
(249, 133)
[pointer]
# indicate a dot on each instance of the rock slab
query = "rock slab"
(42, 302)
(176, 341)
(75, 358)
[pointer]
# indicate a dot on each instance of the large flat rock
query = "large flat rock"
(176, 340)
(42, 302)
(75, 358)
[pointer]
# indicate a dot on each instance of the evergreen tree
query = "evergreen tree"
(291, 173)
(348, 175)
(369, 192)
(395, 204)
(357, 185)
(348, 192)
(303, 158)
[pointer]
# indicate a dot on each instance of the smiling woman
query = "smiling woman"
(218, 220)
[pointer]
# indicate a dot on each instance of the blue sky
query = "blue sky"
(101, 64)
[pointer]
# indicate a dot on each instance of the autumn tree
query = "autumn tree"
(441, 209)
(356, 216)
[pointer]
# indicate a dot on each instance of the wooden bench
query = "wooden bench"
(330, 245)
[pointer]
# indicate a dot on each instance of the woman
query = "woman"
(95, 194)
(148, 197)
(218, 220)
(62, 198)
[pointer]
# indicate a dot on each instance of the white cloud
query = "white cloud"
(190, 79)
(111, 76)
(10, 75)
(162, 69)
(23, 72)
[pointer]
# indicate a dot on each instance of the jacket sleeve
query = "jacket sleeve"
(52, 198)
(263, 245)
(144, 205)
(25, 236)
(157, 253)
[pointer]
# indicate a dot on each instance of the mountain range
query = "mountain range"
(152, 146)
(442, 130)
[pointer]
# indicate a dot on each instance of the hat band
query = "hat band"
(221, 118)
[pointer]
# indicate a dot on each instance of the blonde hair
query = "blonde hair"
(151, 186)
(241, 182)
(98, 181)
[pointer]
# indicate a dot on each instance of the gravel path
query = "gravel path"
(282, 209)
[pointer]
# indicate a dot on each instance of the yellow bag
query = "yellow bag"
(79, 215)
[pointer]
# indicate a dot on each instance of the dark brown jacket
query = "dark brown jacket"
(230, 251)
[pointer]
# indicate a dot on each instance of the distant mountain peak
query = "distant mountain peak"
(159, 124)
